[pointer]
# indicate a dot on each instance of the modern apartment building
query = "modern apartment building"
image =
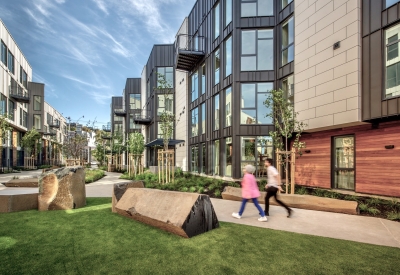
(23, 101)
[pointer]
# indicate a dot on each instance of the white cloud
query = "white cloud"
(60, 1)
(101, 5)
(92, 85)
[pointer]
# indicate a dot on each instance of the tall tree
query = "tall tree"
(30, 141)
(5, 129)
(136, 147)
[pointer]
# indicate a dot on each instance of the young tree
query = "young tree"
(5, 128)
(30, 141)
(74, 145)
(286, 124)
(98, 153)
(136, 147)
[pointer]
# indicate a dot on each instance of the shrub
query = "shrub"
(178, 172)
(200, 190)
(93, 175)
(301, 191)
(319, 192)
(363, 207)
(374, 211)
(44, 166)
(192, 189)
(350, 198)
(184, 189)
(217, 193)
(394, 216)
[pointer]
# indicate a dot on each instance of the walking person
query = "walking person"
(272, 187)
(250, 191)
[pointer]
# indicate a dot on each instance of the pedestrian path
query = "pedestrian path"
(325, 224)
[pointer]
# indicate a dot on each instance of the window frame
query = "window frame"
(194, 114)
(34, 102)
(4, 53)
(257, 9)
(257, 100)
(40, 121)
(217, 21)
(256, 51)
(290, 45)
(194, 94)
(217, 70)
(228, 115)
(228, 41)
(228, 10)
(385, 63)
(217, 112)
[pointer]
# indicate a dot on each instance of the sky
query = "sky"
(84, 50)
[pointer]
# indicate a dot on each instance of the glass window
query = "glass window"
(25, 79)
(203, 79)
(3, 105)
(228, 156)
(257, 50)
(288, 88)
(165, 103)
(254, 150)
(287, 41)
(168, 73)
(216, 65)
(132, 124)
(215, 157)
(160, 131)
(392, 61)
(118, 128)
(3, 53)
(24, 118)
(391, 2)
(11, 107)
(135, 101)
(195, 122)
(228, 107)
(195, 86)
(117, 118)
(253, 110)
(37, 106)
(216, 21)
(148, 92)
(203, 158)
(250, 8)
(216, 112)
(228, 12)
(285, 3)
(228, 57)
(344, 163)
(37, 122)
(10, 60)
(195, 159)
(203, 118)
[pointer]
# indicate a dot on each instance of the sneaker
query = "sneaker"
(236, 215)
(263, 219)
(289, 213)
(266, 213)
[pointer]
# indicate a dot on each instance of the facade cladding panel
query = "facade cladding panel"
(116, 104)
(132, 103)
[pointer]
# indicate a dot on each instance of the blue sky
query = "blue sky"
(83, 50)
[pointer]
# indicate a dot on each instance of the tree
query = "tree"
(286, 124)
(5, 128)
(136, 147)
(30, 141)
(75, 145)
(98, 153)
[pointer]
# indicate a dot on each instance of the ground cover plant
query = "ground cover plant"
(188, 182)
(93, 240)
(93, 175)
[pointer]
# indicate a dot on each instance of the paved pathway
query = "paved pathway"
(339, 226)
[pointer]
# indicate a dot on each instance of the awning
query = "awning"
(160, 142)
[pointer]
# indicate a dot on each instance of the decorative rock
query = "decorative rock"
(183, 214)
(300, 201)
(63, 188)
(18, 202)
(120, 189)
(30, 182)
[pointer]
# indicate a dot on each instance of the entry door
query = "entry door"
(343, 162)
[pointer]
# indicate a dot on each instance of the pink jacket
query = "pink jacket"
(249, 187)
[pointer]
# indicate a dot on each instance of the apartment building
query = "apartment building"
(23, 101)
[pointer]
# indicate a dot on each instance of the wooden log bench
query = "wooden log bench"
(29, 182)
(300, 201)
(18, 202)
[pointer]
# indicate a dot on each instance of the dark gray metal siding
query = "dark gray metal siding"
(36, 89)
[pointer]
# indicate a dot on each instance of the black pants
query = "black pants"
(271, 191)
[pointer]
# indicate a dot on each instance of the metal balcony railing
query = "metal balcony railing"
(120, 111)
(144, 117)
(107, 128)
(19, 94)
(190, 50)
(54, 123)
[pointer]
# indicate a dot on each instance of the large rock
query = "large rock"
(63, 188)
(30, 182)
(120, 189)
(183, 214)
(18, 202)
(299, 201)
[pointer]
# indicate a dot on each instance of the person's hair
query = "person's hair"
(250, 169)
(271, 161)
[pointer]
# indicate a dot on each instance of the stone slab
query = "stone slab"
(300, 201)
(29, 182)
(18, 202)
(119, 190)
(183, 214)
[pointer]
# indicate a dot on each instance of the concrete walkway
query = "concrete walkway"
(333, 225)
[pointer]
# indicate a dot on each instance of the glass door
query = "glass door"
(343, 162)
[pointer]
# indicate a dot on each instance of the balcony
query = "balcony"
(143, 118)
(53, 124)
(190, 50)
(19, 94)
(50, 133)
(120, 111)
(107, 128)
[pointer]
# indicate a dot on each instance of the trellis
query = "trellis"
(290, 157)
(118, 161)
(74, 162)
(131, 164)
(166, 166)
(29, 163)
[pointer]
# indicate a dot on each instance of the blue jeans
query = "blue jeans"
(255, 201)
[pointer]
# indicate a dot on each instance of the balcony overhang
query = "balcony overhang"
(160, 142)
(142, 120)
(186, 60)
(54, 125)
(120, 112)
(20, 98)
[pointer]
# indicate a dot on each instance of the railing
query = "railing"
(107, 128)
(53, 123)
(192, 43)
(18, 92)
(144, 114)
(50, 133)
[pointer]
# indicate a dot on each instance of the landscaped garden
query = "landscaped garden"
(187, 182)
(92, 175)
(93, 240)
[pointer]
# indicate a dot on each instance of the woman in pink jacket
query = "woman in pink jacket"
(250, 191)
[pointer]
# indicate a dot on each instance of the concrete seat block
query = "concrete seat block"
(29, 182)
(183, 214)
(18, 202)
(120, 189)
(300, 201)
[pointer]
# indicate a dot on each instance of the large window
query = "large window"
(287, 41)
(203, 118)
(10, 60)
(118, 118)
(288, 88)
(343, 162)
(195, 86)
(216, 21)
(3, 105)
(391, 2)
(252, 108)
(37, 106)
(250, 8)
(195, 122)
(228, 12)
(132, 124)
(215, 157)
(135, 101)
(160, 132)
(216, 112)
(195, 159)
(203, 158)
(3, 53)
(285, 3)
(168, 73)
(11, 107)
(228, 57)
(165, 103)
(216, 66)
(228, 156)
(392, 38)
(37, 122)
(203, 79)
(228, 107)
(257, 50)
(49, 119)
(254, 150)
(118, 128)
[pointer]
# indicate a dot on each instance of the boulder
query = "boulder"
(120, 189)
(183, 214)
(30, 182)
(18, 202)
(299, 201)
(63, 188)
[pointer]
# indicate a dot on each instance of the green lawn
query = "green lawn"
(92, 240)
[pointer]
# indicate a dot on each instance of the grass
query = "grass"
(93, 175)
(92, 240)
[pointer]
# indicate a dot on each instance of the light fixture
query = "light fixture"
(336, 45)
(307, 151)
(389, 146)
